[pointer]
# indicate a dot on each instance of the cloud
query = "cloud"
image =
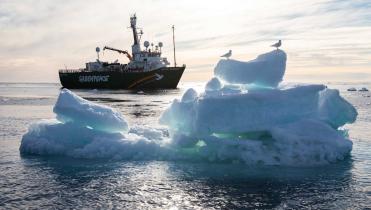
(315, 33)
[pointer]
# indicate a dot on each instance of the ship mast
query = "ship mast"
(174, 45)
(136, 46)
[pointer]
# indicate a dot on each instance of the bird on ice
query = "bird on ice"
(277, 45)
(227, 55)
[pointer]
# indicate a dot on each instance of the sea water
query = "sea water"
(59, 182)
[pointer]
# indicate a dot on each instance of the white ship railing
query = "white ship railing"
(71, 70)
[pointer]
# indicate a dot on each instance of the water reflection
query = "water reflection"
(160, 184)
(240, 186)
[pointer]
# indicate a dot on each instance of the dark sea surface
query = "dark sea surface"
(37, 182)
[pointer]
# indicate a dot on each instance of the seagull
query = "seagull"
(277, 45)
(227, 55)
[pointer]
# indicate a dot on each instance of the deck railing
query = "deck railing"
(71, 70)
(125, 70)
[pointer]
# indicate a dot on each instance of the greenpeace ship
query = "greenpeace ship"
(146, 69)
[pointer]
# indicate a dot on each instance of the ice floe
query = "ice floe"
(248, 116)
(244, 115)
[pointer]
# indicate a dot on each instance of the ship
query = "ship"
(146, 68)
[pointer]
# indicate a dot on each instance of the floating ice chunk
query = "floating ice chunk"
(363, 89)
(266, 70)
(179, 115)
(189, 95)
(213, 85)
(335, 110)
(88, 130)
(258, 110)
(72, 108)
(295, 125)
(51, 137)
(352, 89)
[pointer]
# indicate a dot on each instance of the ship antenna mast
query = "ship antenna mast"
(133, 23)
(97, 49)
(136, 46)
(174, 45)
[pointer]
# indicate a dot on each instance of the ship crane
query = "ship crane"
(119, 51)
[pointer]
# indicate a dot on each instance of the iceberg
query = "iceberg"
(84, 129)
(266, 70)
(246, 114)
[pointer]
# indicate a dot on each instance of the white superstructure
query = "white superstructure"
(148, 59)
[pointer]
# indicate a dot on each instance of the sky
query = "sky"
(325, 40)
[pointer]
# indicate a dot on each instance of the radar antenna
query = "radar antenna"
(146, 44)
(160, 45)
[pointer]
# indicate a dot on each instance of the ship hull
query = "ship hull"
(163, 78)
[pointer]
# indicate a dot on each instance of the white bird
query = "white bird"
(227, 55)
(277, 45)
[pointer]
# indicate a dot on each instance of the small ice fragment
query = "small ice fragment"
(72, 108)
(352, 89)
(189, 95)
(363, 89)
(213, 85)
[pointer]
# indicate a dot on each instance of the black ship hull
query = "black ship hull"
(163, 78)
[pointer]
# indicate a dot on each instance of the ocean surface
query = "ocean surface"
(37, 182)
